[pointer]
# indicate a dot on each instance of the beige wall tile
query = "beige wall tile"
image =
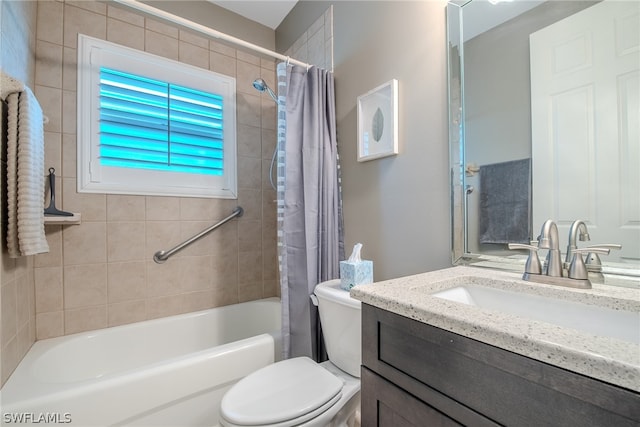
(126, 281)
(49, 292)
(93, 207)
(249, 291)
(162, 208)
(85, 285)
(126, 241)
(54, 238)
(269, 114)
(50, 100)
(101, 273)
(194, 209)
(52, 152)
(162, 236)
(127, 312)
(85, 319)
(249, 267)
(48, 21)
(78, 20)
(222, 64)
(69, 151)
(245, 56)
(246, 74)
(249, 235)
(164, 306)
(97, 6)
(196, 273)
(269, 141)
(48, 64)
(196, 301)
(125, 34)
(249, 109)
(69, 68)
(49, 325)
(249, 172)
(223, 48)
(194, 55)
(85, 244)
(125, 208)
(225, 271)
(68, 111)
(10, 358)
(161, 45)
(161, 27)
(164, 279)
(9, 327)
(114, 11)
(225, 294)
(251, 201)
(249, 141)
(194, 39)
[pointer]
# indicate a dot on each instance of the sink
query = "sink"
(600, 321)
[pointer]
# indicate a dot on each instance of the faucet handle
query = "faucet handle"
(577, 268)
(593, 260)
(532, 265)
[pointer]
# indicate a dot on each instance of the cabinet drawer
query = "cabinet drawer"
(386, 405)
(505, 387)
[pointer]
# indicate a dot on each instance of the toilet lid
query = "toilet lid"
(280, 392)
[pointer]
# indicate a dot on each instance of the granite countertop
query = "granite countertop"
(611, 360)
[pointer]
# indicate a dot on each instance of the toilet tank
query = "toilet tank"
(340, 316)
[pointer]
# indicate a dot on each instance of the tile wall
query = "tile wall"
(17, 309)
(101, 273)
(315, 46)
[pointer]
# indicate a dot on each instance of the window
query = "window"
(150, 125)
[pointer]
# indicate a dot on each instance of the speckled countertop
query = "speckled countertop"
(612, 360)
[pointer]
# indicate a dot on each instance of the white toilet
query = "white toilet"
(299, 391)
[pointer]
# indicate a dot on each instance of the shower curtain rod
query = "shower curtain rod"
(206, 30)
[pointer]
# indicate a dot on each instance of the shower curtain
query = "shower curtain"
(310, 226)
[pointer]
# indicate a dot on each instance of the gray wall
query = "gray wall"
(398, 207)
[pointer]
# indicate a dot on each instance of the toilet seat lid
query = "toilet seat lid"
(280, 392)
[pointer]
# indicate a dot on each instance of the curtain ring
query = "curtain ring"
(288, 60)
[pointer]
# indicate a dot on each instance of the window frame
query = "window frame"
(92, 177)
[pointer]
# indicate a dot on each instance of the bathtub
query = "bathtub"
(171, 371)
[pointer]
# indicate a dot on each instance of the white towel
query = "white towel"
(25, 179)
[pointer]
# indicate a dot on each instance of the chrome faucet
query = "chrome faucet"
(548, 239)
(578, 226)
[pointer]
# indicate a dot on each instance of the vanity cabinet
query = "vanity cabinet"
(414, 374)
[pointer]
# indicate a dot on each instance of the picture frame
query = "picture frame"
(378, 122)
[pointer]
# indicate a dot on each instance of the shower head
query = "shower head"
(261, 85)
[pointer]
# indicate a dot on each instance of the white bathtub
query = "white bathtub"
(165, 372)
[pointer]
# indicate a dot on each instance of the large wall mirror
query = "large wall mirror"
(544, 101)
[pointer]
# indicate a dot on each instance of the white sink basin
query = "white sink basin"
(595, 320)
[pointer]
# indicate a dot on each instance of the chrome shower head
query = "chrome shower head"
(262, 86)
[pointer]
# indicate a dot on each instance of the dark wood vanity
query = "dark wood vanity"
(414, 374)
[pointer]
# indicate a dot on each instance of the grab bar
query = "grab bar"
(162, 256)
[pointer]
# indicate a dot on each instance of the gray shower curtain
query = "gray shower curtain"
(310, 227)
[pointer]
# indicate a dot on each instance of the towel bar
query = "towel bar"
(162, 256)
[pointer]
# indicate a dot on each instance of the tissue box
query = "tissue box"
(355, 273)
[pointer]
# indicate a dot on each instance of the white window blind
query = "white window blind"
(154, 126)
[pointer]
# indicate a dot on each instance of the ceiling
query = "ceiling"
(267, 12)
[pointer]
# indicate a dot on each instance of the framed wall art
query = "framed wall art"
(378, 122)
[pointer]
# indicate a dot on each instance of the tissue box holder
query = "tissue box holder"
(355, 273)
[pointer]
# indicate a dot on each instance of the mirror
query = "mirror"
(526, 114)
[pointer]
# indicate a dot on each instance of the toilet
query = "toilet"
(299, 391)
